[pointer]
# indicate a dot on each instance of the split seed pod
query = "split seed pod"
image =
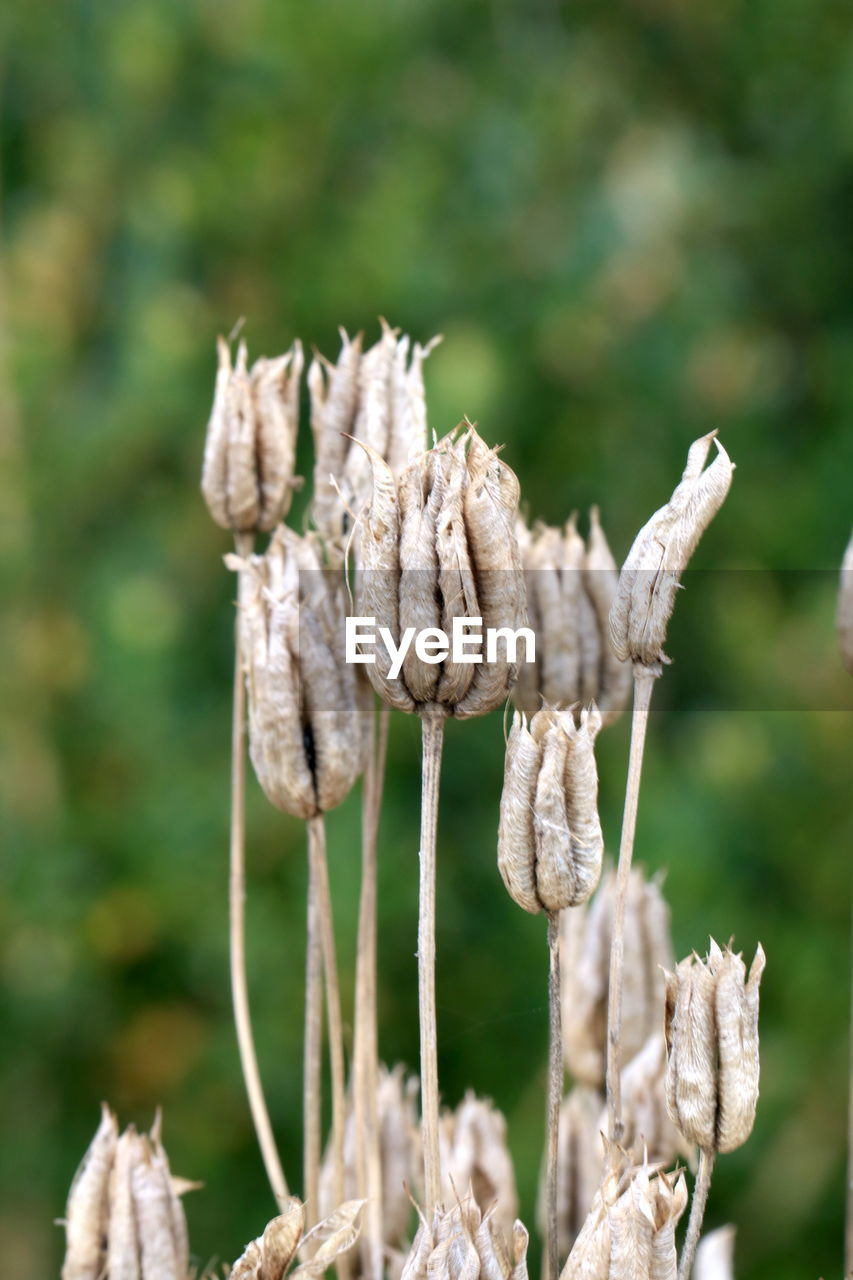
(845, 608)
(585, 973)
(271, 1255)
(305, 725)
(570, 588)
(475, 1158)
(463, 1244)
(247, 474)
(550, 844)
(711, 1028)
(650, 576)
(440, 544)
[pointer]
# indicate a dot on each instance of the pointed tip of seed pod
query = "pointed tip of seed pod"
(156, 1130)
(241, 365)
(757, 967)
(223, 353)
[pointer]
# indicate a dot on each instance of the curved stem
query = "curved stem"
(644, 683)
(555, 1089)
(312, 1097)
(237, 923)
(701, 1187)
(320, 875)
(432, 728)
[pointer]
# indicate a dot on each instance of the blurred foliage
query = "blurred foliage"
(631, 222)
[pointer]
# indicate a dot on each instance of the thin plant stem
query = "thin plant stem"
(320, 874)
(701, 1187)
(432, 728)
(555, 1089)
(237, 923)
(365, 1040)
(644, 683)
(312, 1097)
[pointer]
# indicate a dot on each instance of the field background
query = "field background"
(632, 223)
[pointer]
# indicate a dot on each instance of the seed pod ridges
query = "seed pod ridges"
(475, 1157)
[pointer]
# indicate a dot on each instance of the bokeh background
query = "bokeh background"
(632, 223)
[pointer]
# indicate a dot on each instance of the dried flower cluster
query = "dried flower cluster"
(464, 1243)
(270, 1256)
(570, 590)
(124, 1219)
(475, 1159)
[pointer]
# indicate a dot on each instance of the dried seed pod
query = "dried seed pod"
(845, 608)
(87, 1210)
(333, 389)
(711, 1029)
(715, 1255)
(331, 1238)
(586, 967)
(570, 588)
(122, 1248)
(247, 474)
(580, 1160)
(647, 1128)
(465, 1243)
(650, 575)
(269, 1257)
(475, 1157)
(550, 844)
(159, 1249)
(305, 725)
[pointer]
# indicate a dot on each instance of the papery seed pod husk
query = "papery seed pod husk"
(305, 723)
(647, 1130)
(580, 1162)
(270, 1255)
(159, 1248)
(711, 1029)
(87, 1209)
(331, 1238)
(177, 1186)
(589, 1257)
(334, 400)
(474, 1156)
(550, 844)
(247, 473)
(668, 1194)
(715, 1255)
(463, 1243)
(652, 570)
(123, 1258)
(601, 580)
(845, 608)
(585, 969)
(456, 583)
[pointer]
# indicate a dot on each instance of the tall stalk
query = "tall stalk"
(701, 1187)
(237, 924)
(432, 728)
(312, 1098)
(555, 1090)
(644, 683)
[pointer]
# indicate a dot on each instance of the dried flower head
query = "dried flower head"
(580, 1164)
(585, 971)
(270, 1256)
(715, 1255)
(247, 474)
(399, 1153)
(440, 544)
(570, 588)
(305, 723)
(647, 1128)
(124, 1219)
(650, 576)
(550, 844)
(376, 399)
(463, 1244)
(475, 1158)
(711, 1028)
(845, 608)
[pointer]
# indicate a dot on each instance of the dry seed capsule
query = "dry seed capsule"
(601, 579)
(305, 726)
(550, 844)
(465, 1243)
(475, 1156)
(247, 473)
(87, 1210)
(269, 1257)
(650, 575)
(711, 1028)
(845, 608)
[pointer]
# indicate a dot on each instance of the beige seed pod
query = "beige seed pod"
(463, 1244)
(650, 575)
(269, 1257)
(550, 844)
(247, 473)
(585, 969)
(154, 1205)
(845, 608)
(601, 580)
(305, 724)
(122, 1243)
(333, 389)
(715, 1255)
(87, 1210)
(647, 1128)
(475, 1157)
(330, 1239)
(711, 1029)
(580, 1160)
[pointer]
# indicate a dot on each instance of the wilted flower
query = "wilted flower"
(465, 1243)
(124, 1219)
(269, 1257)
(550, 844)
(247, 474)
(650, 575)
(587, 932)
(439, 545)
(711, 1029)
(580, 1162)
(715, 1255)
(845, 608)
(305, 724)
(570, 588)
(475, 1158)
(376, 399)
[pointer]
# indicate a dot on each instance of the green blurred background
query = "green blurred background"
(632, 223)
